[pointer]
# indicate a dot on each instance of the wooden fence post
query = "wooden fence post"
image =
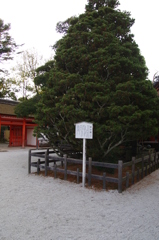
(146, 170)
(65, 167)
(89, 171)
(127, 179)
(155, 161)
(137, 174)
(149, 163)
(46, 162)
(55, 171)
(133, 169)
(29, 161)
(38, 168)
(120, 169)
(47, 157)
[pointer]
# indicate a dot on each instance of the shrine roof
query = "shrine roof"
(7, 106)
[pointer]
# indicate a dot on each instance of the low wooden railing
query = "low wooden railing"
(138, 168)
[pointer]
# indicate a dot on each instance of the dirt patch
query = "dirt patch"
(95, 184)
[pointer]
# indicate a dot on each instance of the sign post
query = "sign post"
(84, 163)
(84, 130)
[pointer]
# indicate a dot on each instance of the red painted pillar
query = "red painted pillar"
(10, 136)
(23, 133)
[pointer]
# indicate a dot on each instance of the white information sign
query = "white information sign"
(84, 130)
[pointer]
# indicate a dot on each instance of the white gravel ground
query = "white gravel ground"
(43, 208)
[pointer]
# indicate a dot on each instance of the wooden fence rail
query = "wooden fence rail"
(138, 168)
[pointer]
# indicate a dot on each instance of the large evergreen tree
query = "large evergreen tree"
(98, 76)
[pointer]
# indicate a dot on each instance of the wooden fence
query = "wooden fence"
(138, 168)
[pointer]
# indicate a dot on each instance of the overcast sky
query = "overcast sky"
(33, 22)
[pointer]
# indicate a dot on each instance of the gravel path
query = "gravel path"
(43, 208)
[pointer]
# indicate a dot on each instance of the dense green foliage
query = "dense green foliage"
(8, 87)
(7, 48)
(27, 107)
(7, 44)
(98, 76)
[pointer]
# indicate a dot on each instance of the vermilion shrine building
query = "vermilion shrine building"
(21, 129)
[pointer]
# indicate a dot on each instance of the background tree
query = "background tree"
(25, 72)
(7, 44)
(98, 76)
(8, 88)
(28, 106)
(7, 49)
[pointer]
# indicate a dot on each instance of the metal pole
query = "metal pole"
(84, 163)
